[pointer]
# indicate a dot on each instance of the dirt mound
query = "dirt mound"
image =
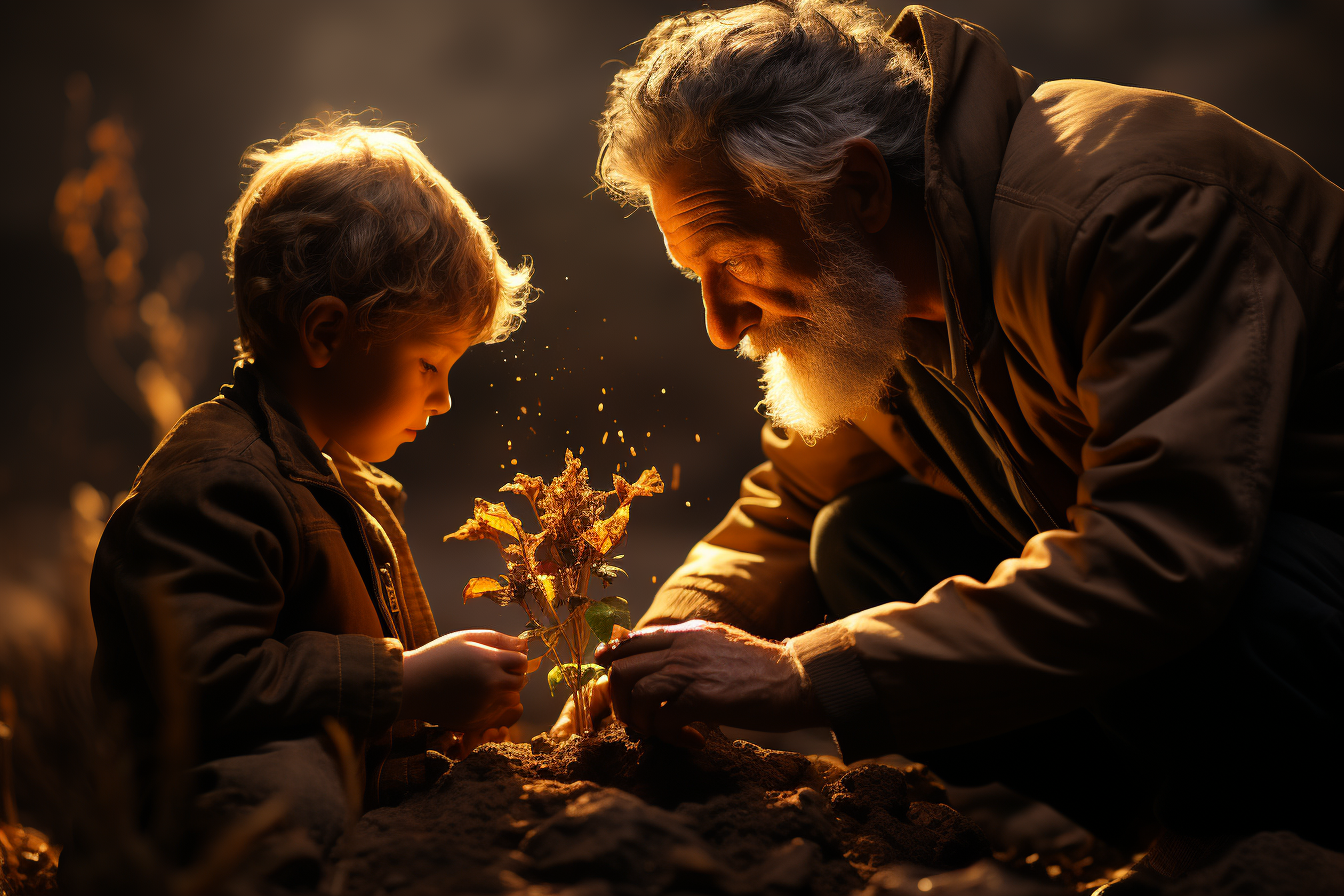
(610, 813)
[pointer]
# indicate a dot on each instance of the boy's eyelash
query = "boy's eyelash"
(428, 367)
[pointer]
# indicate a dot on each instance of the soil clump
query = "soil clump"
(612, 813)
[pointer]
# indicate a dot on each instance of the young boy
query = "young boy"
(259, 538)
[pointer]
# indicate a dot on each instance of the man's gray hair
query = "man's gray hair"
(776, 88)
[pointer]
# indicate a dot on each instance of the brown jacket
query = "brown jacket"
(289, 580)
(1144, 353)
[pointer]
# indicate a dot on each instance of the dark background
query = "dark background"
(502, 95)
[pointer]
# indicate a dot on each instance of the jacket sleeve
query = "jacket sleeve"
(211, 548)
(1183, 338)
(753, 570)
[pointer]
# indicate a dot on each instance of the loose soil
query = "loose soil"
(614, 814)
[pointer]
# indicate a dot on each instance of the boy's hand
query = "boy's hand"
(599, 705)
(465, 681)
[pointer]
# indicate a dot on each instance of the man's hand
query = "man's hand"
(664, 677)
(465, 681)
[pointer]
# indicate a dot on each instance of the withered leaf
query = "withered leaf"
(527, 486)
(605, 534)
(648, 483)
(474, 530)
(497, 516)
(484, 586)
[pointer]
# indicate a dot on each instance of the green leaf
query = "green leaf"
(608, 612)
(563, 673)
(556, 676)
(591, 672)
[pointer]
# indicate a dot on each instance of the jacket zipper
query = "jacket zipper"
(991, 425)
(391, 590)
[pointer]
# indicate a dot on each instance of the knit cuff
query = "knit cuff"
(858, 719)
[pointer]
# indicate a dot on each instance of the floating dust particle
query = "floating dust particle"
(648, 435)
(604, 437)
(513, 462)
(501, 466)
(599, 407)
(580, 451)
(621, 434)
(636, 338)
(676, 477)
(510, 444)
(601, 358)
(664, 391)
(697, 437)
(632, 450)
(924, 885)
(688, 503)
(531, 430)
(517, 379)
(604, 390)
(523, 409)
(655, 580)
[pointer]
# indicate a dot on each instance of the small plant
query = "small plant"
(572, 547)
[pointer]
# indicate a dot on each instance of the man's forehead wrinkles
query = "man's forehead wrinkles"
(703, 197)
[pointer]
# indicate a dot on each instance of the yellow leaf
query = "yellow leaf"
(497, 516)
(480, 586)
(606, 533)
(547, 592)
(648, 483)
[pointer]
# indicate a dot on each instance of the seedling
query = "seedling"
(548, 574)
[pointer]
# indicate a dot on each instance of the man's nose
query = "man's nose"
(727, 317)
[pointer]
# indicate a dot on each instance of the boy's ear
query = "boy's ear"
(321, 329)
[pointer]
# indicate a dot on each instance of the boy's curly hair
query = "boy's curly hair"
(359, 213)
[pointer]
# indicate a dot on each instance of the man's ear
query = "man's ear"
(321, 329)
(864, 185)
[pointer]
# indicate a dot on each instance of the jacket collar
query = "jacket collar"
(297, 455)
(974, 98)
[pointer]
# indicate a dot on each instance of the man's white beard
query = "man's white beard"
(822, 372)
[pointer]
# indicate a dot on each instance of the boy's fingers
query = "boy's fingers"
(499, 640)
(509, 660)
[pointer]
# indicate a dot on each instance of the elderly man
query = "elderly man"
(1055, 481)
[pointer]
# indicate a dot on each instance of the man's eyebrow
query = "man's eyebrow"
(686, 272)
(702, 240)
